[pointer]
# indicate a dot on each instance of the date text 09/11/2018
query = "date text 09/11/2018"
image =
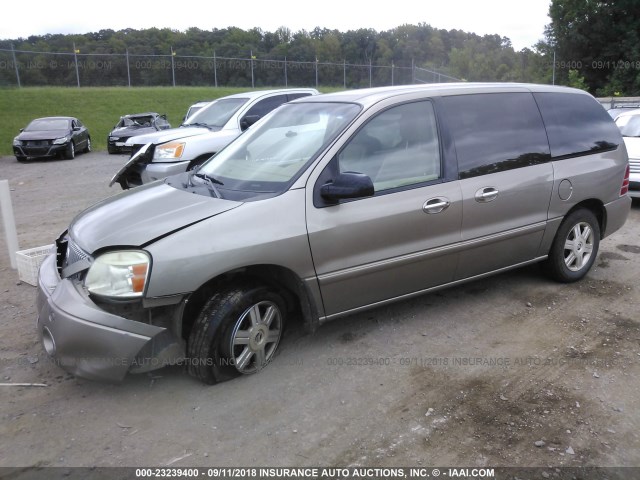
(420, 361)
(598, 65)
(313, 472)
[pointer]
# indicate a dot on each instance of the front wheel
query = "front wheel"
(237, 332)
(87, 148)
(575, 247)
(70, 152)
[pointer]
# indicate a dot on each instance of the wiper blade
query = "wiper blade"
(211, 183)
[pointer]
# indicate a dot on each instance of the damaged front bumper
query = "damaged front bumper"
(90, 342)
(141, 169)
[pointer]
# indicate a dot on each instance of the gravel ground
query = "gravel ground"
(514, 370)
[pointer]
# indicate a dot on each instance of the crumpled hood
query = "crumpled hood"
(167, 135)
(131, 131)
(136, 217)
(43, 135)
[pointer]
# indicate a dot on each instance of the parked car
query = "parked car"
(204, 133)
(195, 107)
(330, 205)
(132, 125)
(49, 137)
(629, 124)
(620, 109)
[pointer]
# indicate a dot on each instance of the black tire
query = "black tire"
(111, 149)
(87, 148)
(569, 260)
(70, 152)
(21, 159)
(237, 332)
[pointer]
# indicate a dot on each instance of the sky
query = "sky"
(521, 21)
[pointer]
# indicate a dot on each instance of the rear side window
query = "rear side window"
(265, 106)
(576, 124)
(495, 132)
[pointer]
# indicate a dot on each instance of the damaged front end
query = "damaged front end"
(103, 337)
(130, 175)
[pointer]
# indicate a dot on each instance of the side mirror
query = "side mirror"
(347, 185)
(248, 120)
(21, 130)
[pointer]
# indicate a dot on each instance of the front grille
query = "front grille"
(37, 143)
(35, 151)
(75, 253)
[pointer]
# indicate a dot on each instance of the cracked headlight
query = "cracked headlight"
(122, 274)
(169, 151)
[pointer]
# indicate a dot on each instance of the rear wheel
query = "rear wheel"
(70, 152)
(237, 332)
(87, 148)
(575, 247)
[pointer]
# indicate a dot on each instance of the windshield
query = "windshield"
(268, 157)
(48, 124)
(216, 114)
(632, 127)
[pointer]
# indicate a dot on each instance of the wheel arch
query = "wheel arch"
(597, 208)
(294, 291)
(594, 205)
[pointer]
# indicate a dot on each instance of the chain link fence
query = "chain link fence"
(23, 68)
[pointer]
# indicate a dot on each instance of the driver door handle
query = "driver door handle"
(486, 194)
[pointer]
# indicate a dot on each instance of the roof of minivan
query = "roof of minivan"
(368, 96)
(258, 93)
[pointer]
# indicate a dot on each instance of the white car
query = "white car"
(203, 134)
(196, 107)
(629, 124)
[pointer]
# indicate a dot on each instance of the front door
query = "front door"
(400, 240)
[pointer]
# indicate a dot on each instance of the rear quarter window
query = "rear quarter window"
(495, 132)
(577, 124)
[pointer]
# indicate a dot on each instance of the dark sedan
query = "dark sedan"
(52, 137)
(132, 125)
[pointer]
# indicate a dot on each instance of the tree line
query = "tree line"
(589, 45)
(455, 53)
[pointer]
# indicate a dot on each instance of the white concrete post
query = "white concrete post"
(9, 221)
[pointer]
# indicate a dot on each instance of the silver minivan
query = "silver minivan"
(330, 205)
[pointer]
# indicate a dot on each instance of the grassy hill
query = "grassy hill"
(98, 108)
